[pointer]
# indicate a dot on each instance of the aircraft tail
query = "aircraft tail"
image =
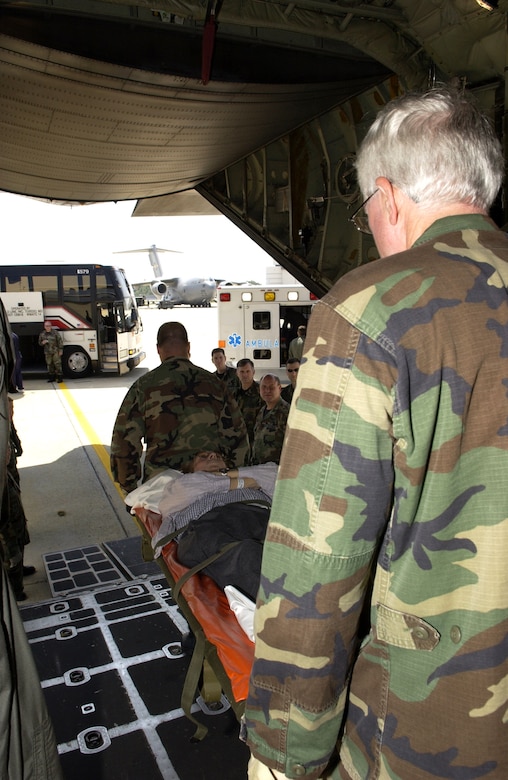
(155, 262)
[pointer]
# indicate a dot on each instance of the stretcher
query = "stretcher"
(223, 654)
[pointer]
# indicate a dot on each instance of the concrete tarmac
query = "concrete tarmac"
(68, 495)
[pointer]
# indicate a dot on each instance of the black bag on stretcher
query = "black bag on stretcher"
(227, 544)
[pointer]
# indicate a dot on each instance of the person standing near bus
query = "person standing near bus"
(52, 342)
(14, 534)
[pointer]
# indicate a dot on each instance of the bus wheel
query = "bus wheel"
(75, 362)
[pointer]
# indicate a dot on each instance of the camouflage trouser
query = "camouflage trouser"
(53, 363)
(13, 534)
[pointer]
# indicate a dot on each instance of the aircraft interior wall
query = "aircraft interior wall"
(295, 195)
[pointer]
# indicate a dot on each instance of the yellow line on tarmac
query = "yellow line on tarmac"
(90, 434)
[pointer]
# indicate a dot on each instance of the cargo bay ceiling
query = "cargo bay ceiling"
(252, 107)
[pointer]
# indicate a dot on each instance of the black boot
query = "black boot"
(59, 379)
(51, 378)
(15, 574)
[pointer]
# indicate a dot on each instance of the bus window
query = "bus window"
(15, 283)
(120, 319)
(131, 317)
(104, 287)
(47, 284)
(77, 294)
(76, 288)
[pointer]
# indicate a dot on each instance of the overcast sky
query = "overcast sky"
(33, 231)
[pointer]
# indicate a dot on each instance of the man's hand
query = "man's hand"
(250, 482)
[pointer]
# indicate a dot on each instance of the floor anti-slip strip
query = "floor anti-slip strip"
(112, 667)
(85, 568)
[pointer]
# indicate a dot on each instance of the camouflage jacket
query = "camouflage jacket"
(229, 377)
(250, 402)
(178, 409)
(269, 432)
(54, 341)
(391, 510)
(288, 392)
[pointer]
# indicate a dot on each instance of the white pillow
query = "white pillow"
(243, 609)
(149, 494)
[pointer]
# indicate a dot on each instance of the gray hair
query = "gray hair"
(437, 147)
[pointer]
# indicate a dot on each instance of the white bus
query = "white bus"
(93, 307)
(259, 322)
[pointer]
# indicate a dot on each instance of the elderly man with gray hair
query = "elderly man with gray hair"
(382, 615)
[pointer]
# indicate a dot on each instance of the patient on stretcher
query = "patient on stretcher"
(214, 507)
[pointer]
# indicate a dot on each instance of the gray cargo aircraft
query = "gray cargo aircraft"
(193, 291)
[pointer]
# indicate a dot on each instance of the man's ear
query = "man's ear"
(388, 198)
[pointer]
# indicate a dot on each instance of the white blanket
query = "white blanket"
(149, 494)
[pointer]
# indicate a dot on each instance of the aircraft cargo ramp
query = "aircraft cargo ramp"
(112, 670)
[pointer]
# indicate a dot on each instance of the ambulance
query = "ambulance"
(259, 322)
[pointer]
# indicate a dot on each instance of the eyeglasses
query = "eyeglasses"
(360, 219)
(292, 370)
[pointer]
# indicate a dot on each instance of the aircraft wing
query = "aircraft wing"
(156, 288)
(141, 289)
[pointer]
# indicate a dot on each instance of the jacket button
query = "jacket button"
(455, 634)
(420, 632)
(299, 770)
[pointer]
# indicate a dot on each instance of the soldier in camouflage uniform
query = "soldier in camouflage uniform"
(177, 409)
(14, 534)
(382, 615)
(247, 395)
(52, 342)
(292, 368)
(270, 426)
(225, 373)
(28, 747)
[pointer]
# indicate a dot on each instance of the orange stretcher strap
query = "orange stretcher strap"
(210, 607)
